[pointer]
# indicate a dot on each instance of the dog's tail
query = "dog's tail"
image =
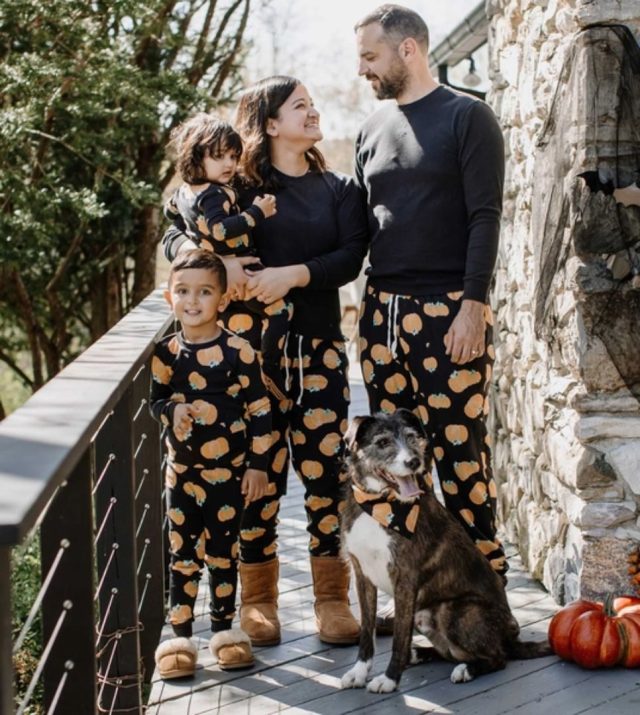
(525, 650)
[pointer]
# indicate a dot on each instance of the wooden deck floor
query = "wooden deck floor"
(302, 675)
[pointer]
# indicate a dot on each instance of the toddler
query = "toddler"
(205, 208)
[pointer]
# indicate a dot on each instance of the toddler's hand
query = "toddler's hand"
(254, 485)
(182, 420)
(266, 204)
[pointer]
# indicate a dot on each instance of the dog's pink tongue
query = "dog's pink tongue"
(408, 488)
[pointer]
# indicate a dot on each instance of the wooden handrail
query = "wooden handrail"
(42, 441)
(83, 457)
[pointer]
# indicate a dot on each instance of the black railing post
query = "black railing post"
(66, 536)
(149, 515)
(119, 684)
(6, 642)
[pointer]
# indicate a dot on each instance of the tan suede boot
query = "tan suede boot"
(334, 620)
(259, 602)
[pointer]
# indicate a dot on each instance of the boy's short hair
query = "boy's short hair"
(200, 258)
(202, 135)
(398, 23)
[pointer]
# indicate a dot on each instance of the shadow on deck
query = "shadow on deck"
(302, 675)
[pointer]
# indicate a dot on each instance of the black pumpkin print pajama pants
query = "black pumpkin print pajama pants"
(404, 364)
(204, 507)
(309, 431)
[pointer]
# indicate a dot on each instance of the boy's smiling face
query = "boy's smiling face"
(196, 297)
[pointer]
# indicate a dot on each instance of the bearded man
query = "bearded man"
(432, 166)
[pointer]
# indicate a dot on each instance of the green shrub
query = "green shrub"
(25, 583)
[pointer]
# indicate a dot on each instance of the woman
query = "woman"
(314, 244)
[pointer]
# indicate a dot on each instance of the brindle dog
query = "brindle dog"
(440, 581)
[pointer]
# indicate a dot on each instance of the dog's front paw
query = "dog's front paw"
(382, 684)
(461, 674)
(357, 676)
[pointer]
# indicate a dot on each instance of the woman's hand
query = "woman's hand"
(271, 284)
(236, 276)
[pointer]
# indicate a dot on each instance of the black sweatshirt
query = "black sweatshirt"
(321, 223)
(433, 171)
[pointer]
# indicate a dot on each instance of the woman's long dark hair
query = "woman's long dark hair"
(258, 104)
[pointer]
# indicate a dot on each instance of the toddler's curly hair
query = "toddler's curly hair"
(198, 137)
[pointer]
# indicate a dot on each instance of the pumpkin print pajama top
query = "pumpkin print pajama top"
(433, 173)
(204, 466)
(213, 220)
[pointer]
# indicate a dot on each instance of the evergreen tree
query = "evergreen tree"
(89, 92)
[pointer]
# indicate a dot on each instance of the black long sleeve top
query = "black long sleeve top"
(433, 171)
(321, 223)
(213, 220)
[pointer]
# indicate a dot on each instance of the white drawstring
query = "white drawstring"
(300, 370)
(287, 374)
(392, 328)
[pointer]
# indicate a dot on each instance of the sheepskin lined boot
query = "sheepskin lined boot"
(259, 602)
(231, 649)
(176, 658)
(334, 620)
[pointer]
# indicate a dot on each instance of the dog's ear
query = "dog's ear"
(355, 430)
(411, 420)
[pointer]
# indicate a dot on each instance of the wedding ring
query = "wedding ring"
(474, 352)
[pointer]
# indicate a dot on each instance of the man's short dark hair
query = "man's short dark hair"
(398, 23)
(199, 258)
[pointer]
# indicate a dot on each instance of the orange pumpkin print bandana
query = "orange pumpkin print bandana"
(390, 512)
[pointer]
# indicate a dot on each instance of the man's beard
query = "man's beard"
(394, 83)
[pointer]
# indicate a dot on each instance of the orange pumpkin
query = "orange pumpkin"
(597, 635)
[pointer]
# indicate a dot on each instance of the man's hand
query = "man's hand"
(465, 339)
(254, 485)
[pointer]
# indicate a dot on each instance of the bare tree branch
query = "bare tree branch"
(197, 72)
(151, 37)
(24, 306)
(14, 367)
(231, 56)
(204, 34)
(60, 334)
(182, 32)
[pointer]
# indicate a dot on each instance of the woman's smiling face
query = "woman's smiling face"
(298, 121)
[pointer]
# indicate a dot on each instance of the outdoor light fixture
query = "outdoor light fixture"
(471, 79)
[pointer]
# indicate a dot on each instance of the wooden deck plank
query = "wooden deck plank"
(302, 675)
(562, 688)
(422, 689)
(625, 704)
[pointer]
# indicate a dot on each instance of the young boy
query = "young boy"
(208, 394)
(206, 210)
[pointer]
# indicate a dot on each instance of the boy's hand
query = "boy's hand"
(183, 420)
(266, 204)
(254, 485)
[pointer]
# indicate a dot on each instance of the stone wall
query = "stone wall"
(567, 293)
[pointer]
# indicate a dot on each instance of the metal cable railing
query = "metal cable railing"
(80, 472)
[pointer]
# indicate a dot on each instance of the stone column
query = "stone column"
(566, 408)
